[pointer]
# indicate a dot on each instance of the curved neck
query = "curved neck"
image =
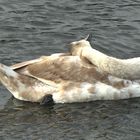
(125, 69)
(94, 56)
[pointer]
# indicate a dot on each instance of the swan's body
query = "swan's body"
(67, 78)
(122, 68)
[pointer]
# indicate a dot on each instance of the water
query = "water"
(31, 28)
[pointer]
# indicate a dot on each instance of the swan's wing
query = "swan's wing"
(26, 63)
(23, 64)
(57, 69)
(41, 68)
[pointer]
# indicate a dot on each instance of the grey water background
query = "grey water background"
(31, 28)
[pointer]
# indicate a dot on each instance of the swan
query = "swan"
(63, 78)
(122, 68)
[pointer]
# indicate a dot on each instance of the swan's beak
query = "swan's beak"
(88, 37)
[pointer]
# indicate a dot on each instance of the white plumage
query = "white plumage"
(122, 68)
(88, 77)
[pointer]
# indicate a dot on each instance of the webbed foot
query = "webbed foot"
(47, 100)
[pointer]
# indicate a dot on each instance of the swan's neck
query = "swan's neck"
(96, 57)
(126, 69)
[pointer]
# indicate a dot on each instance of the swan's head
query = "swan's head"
(77, 47)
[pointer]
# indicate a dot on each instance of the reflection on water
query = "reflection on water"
(31, 28)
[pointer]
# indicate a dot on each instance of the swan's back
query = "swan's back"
(63, 68)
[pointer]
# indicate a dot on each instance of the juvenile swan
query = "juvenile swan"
(64, 79)
(122, 68)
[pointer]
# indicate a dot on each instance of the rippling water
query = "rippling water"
(31, 28)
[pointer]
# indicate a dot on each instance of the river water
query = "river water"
(31, 28)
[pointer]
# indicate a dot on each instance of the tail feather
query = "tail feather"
(22, 87)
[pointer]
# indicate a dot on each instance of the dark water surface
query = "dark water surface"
(31, 28)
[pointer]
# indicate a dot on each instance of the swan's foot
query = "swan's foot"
(47, 100)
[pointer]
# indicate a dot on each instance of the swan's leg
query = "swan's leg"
(47, 100)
